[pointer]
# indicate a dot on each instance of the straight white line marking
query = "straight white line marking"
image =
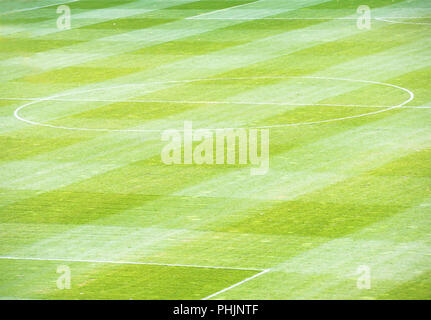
(262, 271)
(41, 7)
(237, 284)
(386, 19)
(221, 10)
(402, 18)
(269, 18)
(213, 102)
(129, 262)
(390, 20)
(199, 102)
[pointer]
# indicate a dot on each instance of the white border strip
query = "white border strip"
(41, 7)
(130, 262)
(237, 284)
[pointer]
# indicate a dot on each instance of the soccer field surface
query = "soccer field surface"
(343, 211)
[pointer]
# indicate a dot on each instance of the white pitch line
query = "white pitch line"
(411, 94)
(212, 102)
(221, 10)
(262, 271)
(41, 7)
(268, 18)
(237, 284)
(403, 18)
(201, 102)
(404, 22)
(386, 19)
(129, 262)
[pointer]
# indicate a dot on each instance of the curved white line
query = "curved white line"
(16, 112)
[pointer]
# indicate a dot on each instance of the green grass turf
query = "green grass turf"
(337, 195)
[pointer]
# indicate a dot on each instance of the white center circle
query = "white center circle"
(55, 97)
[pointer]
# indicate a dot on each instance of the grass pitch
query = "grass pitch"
(79, 191)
